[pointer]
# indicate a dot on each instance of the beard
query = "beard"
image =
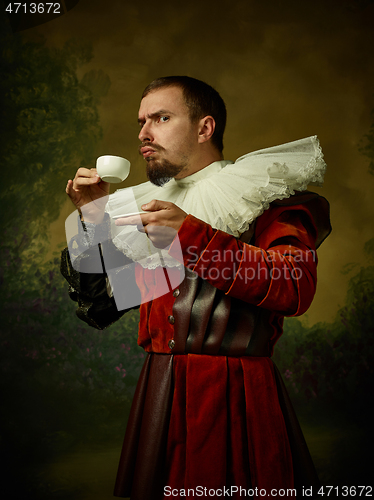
(159, 172)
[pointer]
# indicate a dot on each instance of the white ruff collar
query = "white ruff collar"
(228, 196)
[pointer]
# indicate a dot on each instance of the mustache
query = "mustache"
(155, 147)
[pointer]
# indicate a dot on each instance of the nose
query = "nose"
(145, 133)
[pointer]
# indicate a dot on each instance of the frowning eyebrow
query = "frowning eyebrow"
(160, 112)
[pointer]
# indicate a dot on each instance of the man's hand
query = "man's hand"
(161, 224)
(89, 194)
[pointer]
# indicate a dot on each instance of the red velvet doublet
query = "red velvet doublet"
(204, 418)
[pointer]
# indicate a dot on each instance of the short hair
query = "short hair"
(201, 100)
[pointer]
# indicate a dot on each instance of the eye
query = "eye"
(163, 119)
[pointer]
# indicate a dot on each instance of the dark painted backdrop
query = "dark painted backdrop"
(70, 91)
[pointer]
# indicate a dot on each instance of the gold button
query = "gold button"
(171, 320)
(171, 343)
(176, 292)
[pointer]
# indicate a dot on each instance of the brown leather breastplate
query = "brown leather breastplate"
(207, 321)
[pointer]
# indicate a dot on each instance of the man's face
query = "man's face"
(169, 139)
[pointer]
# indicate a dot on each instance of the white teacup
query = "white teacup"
(112, 168)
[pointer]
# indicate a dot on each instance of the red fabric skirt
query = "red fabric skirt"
(226, 426)
(210, 422)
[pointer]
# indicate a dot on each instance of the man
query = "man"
(210, 409)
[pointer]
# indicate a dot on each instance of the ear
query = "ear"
(206, 128)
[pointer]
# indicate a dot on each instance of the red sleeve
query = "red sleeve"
(278, 273)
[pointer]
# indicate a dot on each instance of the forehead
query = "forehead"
(164, 99)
